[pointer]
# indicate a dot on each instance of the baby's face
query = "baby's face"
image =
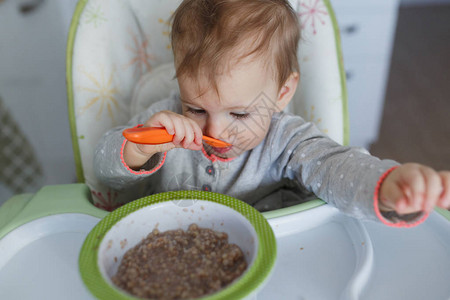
(240, 114)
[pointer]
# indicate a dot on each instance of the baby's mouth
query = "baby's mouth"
(222, 150)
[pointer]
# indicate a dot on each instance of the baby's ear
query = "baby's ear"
(287, 91)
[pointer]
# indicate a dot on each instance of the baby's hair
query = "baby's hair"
(206, 32)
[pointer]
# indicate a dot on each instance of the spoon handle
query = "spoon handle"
(156, 136)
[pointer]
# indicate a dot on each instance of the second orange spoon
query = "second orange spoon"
(155, 136)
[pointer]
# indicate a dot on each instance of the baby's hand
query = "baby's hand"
(413, 187)
(187, 134)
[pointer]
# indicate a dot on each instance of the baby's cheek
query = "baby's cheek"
(254, 131)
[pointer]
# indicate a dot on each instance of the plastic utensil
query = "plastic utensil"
(155, 136)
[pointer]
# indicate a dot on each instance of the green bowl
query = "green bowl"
(123, 228)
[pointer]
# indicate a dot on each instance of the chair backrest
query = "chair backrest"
(119, 53)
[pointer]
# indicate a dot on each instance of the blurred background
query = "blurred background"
(396, 55)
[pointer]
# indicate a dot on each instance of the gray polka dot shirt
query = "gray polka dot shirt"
(294, 163)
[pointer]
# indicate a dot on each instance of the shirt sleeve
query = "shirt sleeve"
(109, 165)
(345, 177)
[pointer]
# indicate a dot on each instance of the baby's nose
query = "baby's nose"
(215, 128)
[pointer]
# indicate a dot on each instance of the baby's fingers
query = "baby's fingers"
(194, 140)
(433, 189)
(444, 199)
(198, 134)
(414, 187)
(421, 187)
(162, 119)
(179, 131)
(392, 198)
(189, 135)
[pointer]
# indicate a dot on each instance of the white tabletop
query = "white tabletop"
(322, 254)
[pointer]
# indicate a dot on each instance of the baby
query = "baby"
(237, 69)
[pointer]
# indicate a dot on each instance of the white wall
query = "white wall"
(32, 82)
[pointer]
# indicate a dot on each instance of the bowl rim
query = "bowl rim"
(250, 281)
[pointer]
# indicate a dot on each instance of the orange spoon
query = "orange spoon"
(155, 136)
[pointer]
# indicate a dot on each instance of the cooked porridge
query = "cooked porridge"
(180, 264)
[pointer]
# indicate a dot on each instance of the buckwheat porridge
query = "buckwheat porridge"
(180, 264)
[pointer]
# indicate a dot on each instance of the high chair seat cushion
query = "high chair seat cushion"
(153, 87)
(119, 60)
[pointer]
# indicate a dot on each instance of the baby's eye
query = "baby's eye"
(195, 111)
(240, 115)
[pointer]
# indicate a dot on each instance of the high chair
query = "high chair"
(119, 61)
(122, 63)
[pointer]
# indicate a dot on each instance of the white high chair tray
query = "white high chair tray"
(322, 254)
(39, 259)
